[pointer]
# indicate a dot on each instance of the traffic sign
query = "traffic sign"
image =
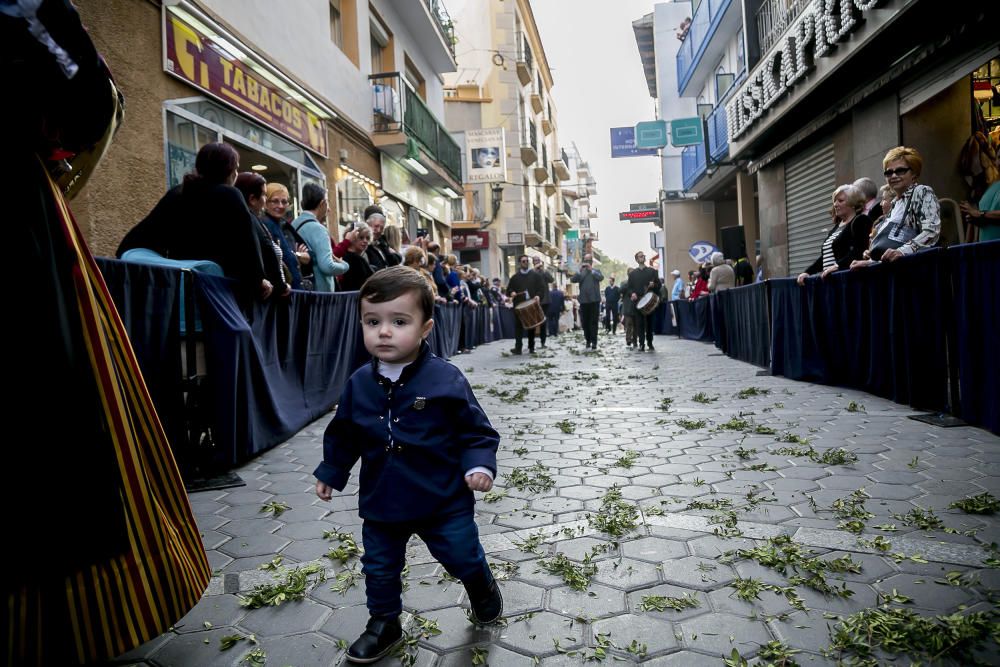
(651, 134)
(686, 132)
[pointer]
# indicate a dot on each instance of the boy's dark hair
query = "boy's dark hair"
(394, 282)
(312, 196)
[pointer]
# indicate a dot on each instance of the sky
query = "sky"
(598, 84)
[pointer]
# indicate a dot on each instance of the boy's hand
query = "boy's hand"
(324, 491)
(477, 481)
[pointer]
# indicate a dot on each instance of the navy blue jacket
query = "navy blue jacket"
(416, 439)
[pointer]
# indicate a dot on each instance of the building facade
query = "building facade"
(338, 92)
(499, 105)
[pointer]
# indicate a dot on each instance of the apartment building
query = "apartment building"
(499, 106)
(343, 93)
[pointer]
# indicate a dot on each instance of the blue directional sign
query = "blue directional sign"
(686, 132)
(701, 251)
(651, 134)
(623, 143)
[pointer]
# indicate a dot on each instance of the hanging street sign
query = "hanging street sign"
(644, 215)
(651, 134)
(623, 143)
(686, 132)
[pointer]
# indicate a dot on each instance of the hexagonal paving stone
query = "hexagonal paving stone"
(927, 594)
(286, 619)
(346, 623)
(863, 596)
(535, 635)
(557, 504)
(254, 526)
(495, 655)
(712, 546)
(626, 574)
(684, 659)
(654, 549)
(525, 519)
(580, 547)
(635, 599)
(303, 530)
(257, 498)
(581, 492)
(873, 567)
(254, 545)
(719, 634)
(657, 636)
(596, 601)
(456, 630)
(353, 595)
(216, 610)
(704, 574)
(197, 648)
(309, 648)
(423, 594)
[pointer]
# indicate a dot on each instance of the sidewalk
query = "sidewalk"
(632, 492)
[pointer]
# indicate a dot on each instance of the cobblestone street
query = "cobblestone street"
(666, 507)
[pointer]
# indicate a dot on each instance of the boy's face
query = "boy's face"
(394, 329)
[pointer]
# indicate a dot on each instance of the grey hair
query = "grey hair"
(363, 228)
(855, 199)
(867, 186)
(718, 258)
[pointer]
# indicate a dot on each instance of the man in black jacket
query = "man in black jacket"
(546, 297)
(643, 279)
(524, 285)
(612, 295)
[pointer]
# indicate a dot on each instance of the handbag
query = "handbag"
(892, 235)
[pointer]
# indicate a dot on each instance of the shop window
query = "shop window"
(741, 58)
(723, 82)
(184, 139)
(352, 199)
(458, 209)
(986, 93)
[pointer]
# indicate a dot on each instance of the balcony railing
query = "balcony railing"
(567, 209)
(536, 219)
(397, 107)
(703, 25)
(443, 22)
(718, 133)
(773, 19)
(529, 134)
(692, 164)
(548, 229)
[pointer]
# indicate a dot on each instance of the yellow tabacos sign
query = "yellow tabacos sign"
(195, 58)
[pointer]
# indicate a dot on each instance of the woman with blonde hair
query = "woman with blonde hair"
(416, 259)
(914, 222)
(848, 239)
(276, 202)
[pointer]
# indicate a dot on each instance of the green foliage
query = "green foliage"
(293, 586)
(275, 508)
(663, 602)
(575, 576)
(617, 516)
(691, 424)
(535, 478)
(984, 503)
(751, 391)
(703, 398)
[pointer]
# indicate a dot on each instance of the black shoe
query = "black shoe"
(531, 350)
(516, 350)
(642, 348)
(488, 608)
(651, 347)
(543, 346)
(382, 634)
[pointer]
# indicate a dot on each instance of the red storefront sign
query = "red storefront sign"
(193, 57)
(470, 240)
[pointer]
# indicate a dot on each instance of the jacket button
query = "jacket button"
(387, 448)
(380, 417)
(395, 420)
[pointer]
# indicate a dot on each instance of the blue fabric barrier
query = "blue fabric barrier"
(748, 335)
(447, 325)
(693, 319)
(506, 317)
(975, 270)
(277, 370)
(718, 322)
(663, 320)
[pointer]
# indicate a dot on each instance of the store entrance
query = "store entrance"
(273, 171)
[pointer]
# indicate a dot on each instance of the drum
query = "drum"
(529, 313)
(648, 303)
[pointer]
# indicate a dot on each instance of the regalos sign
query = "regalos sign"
(197, 59)
(814, 35)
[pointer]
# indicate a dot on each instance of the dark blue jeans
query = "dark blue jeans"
(452, 540)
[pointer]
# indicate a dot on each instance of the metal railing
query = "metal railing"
(718, 133)
(397, 107)
(773, 19)
(524, 51)
(536, 219)
(567, 209)
(693, 164)
(703, 26)
(443, 22)
(548, 229)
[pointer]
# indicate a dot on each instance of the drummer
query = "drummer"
(642, 280)
(524, 285)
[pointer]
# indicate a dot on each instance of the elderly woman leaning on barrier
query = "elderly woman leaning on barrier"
(848, 239)
(722, 276)
(359, 269)
(914, 223)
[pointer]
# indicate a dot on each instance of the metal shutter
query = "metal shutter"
(809, 184)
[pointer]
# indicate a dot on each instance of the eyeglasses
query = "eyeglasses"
(898, 171)
(280, 202)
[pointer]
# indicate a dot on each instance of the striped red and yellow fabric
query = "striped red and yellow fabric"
(110, 606)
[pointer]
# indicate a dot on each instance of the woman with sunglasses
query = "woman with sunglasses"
(914, 222)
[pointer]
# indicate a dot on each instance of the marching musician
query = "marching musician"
(525, 285)
(643, 279)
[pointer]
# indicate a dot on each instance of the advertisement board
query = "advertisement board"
(486, 153)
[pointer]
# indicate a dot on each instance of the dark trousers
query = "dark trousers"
(543, 329)
(611, 319)
(519, 336)
(643, 328)
(452, 540)
(589, 314)
(552, 323)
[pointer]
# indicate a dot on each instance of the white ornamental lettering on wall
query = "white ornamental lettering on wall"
(815, 34)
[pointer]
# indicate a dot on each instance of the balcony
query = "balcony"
(529, 139)
(533, 236)
(542, 168)
(564, 218)
(693, 165)
(550, 184)
(401, 122)
(537, 104)
(773, 19)
(547, 126)
(560, 168)
(525, 64)
(700, 52)
(432, 28)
